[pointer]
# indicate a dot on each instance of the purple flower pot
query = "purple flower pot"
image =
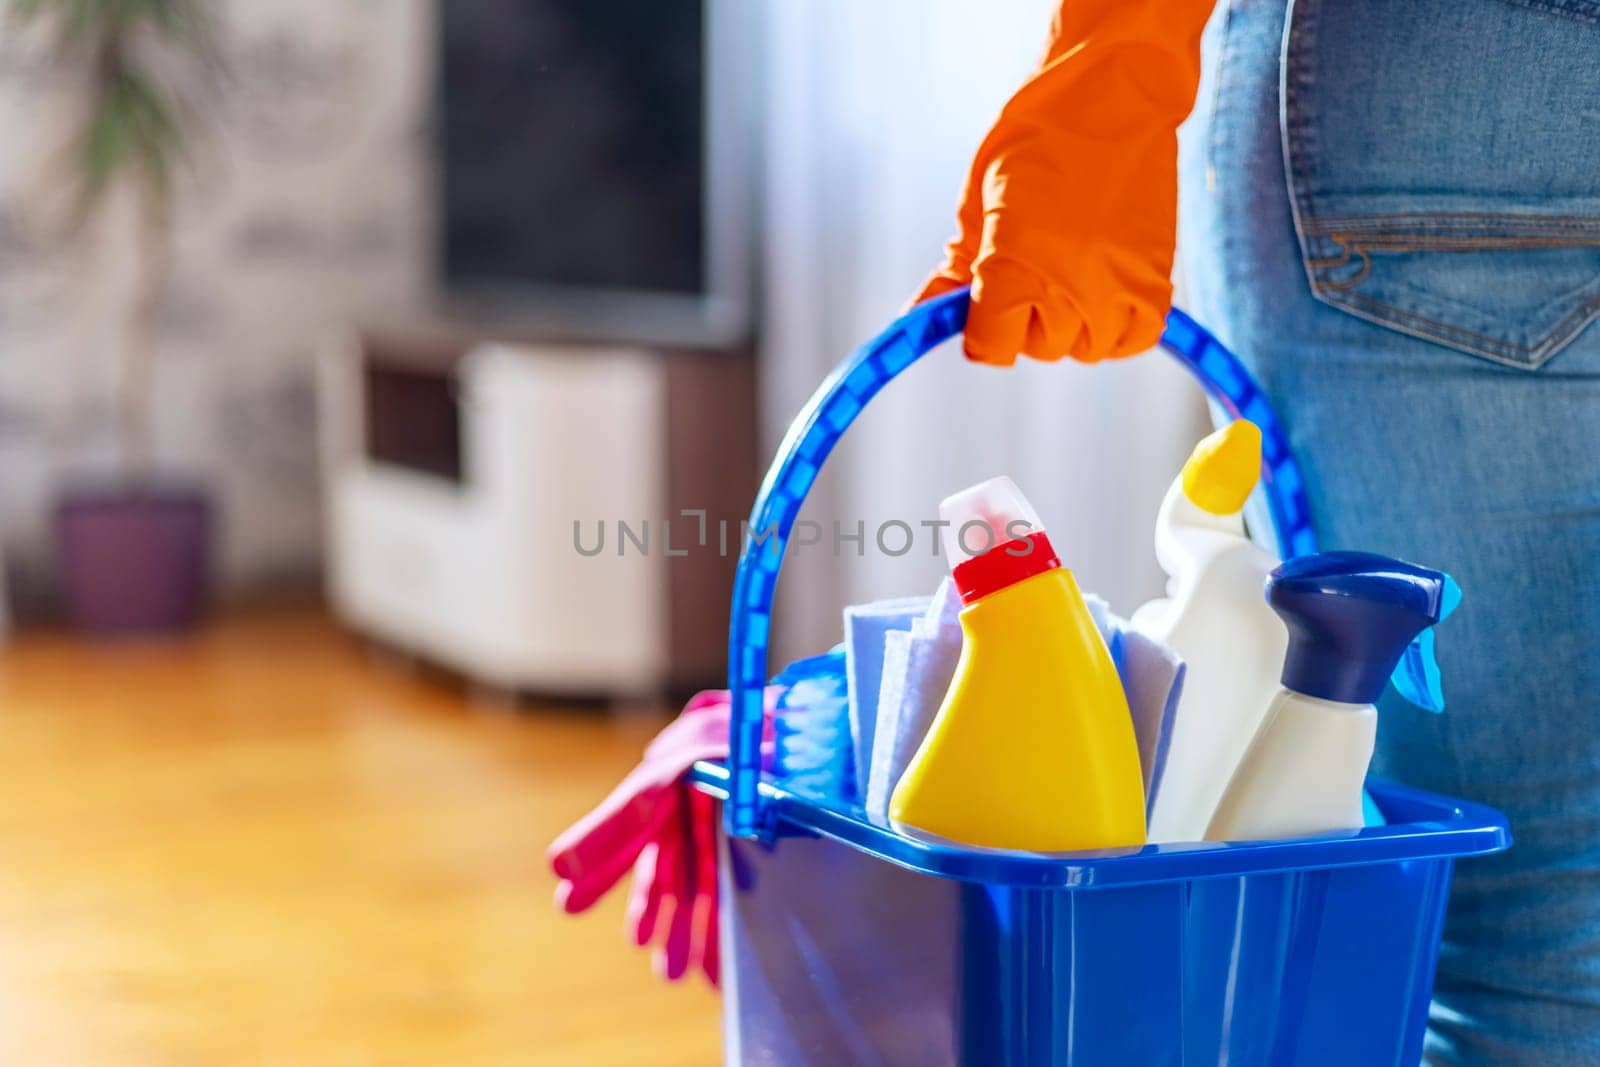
(135, 560)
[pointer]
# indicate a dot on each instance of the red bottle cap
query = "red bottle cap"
(1004, 565)
(993, 538)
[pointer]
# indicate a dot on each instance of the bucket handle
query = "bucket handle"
(830, 411)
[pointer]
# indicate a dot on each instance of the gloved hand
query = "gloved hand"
(654, 824)
(1068, 218)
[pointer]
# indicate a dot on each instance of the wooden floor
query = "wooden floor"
(264, 845)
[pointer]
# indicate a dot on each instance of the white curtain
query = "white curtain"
(872, 113)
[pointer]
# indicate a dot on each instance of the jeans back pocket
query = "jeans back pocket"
(1443, 160)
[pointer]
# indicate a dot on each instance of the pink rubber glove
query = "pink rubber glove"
(676, 876)
(654, 824)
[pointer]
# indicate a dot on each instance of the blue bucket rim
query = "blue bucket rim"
(1424, 826)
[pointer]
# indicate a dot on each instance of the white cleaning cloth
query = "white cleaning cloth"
(865, 628)
(1152, 679)
(917, 667)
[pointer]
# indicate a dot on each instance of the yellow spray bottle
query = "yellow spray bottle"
(1033, 747)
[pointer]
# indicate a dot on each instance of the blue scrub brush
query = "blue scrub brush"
(812, 728)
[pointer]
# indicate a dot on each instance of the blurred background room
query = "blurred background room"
(332, 332)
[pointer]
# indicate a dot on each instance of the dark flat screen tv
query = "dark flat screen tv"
(594, 165)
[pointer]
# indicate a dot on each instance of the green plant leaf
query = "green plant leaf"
(135, 123)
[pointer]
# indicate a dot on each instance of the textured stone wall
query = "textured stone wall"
(305, 205)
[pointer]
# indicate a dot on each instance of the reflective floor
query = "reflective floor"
(267, 845)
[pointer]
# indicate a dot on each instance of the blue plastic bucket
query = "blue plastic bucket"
(845, 942)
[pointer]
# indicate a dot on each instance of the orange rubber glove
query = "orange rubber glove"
(1070, 211)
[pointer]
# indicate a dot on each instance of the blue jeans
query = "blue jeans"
(1392, 212)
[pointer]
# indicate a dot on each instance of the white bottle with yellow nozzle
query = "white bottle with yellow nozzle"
(1217, 618)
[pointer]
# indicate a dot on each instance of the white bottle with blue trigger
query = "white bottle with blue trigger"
(1350, 616)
